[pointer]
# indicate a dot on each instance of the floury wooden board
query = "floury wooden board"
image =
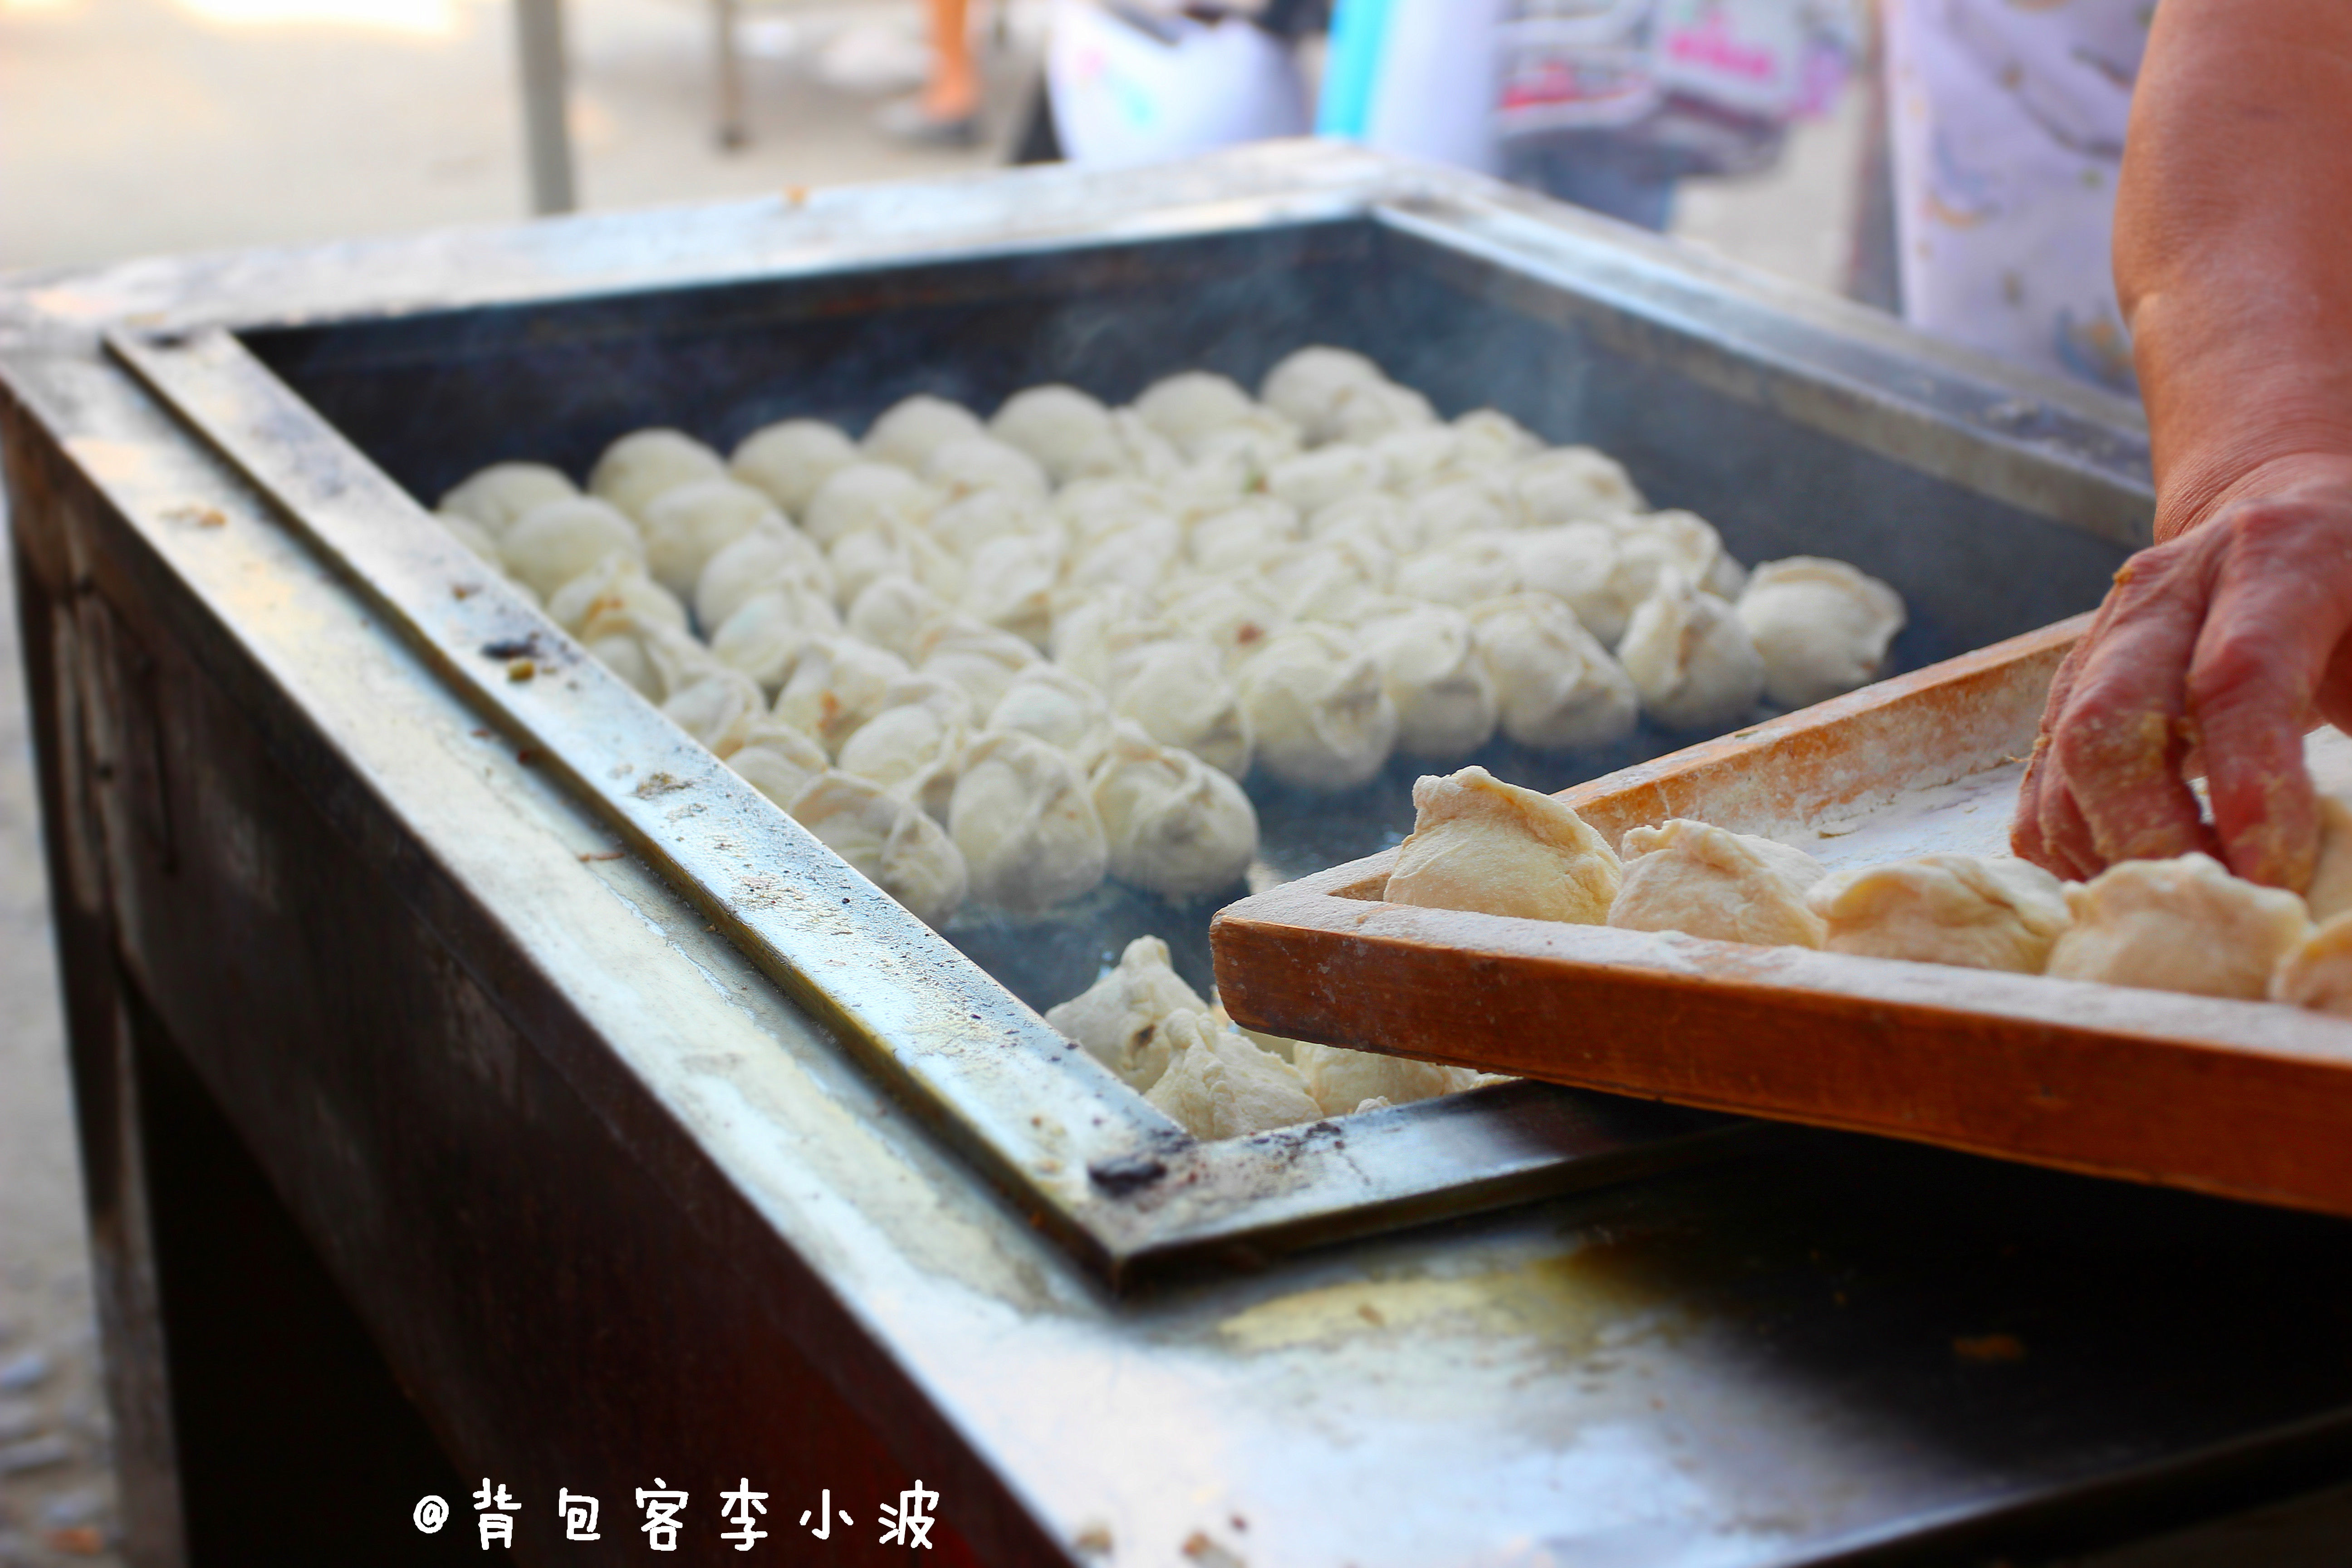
(2247, 1099)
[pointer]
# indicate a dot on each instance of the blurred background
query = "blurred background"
(132, 128)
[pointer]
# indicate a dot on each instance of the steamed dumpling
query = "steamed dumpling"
(1371, 517)
(1313, 481)
(1190, 407)
(910, 430)
(891, 547)
(1691, 659)
(1028, 831)
(772, 556)
(1237, 618)
(1176, 691)
(889, 840)
(1577, 563)
(1961, 909)
(1068, 433)
(687, 524)
(1175, 824)
(836, 685)
(1429, 666)
(642, 464)
(496, 498)
(2183, 925)
(1707, 881)
(978, 658)
(1117, 1019)
(1480, 843)
(1049, 702)
(1693, 545)
(1219, 1085)
(968, 523)
(617, 583)
(1486, 438)
(1457, 508)
(1341, 1080)
(1009, 584)
(867, 495)
(1318, 709)
(719, 708)
(1470, 571)
(915, 744)
(791, 459)
(1556, 689)
(1238, 537)
(894, 613)
(1821, 627)
(778, 761)
(554, 543)
(764, 638)
(971, 465)
(1307, 387)
(1571, 484)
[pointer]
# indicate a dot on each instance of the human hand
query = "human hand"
(2222, 646)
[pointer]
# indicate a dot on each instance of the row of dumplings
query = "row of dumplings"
(1214, 1079)
(2181, 925)
(1188, 589)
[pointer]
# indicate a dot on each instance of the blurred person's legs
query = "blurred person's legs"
(949, 108)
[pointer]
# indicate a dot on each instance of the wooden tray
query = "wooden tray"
(2248, 1100)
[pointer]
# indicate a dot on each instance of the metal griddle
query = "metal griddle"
(568, 1133)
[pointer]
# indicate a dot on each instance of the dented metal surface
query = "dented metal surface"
(591, 1177)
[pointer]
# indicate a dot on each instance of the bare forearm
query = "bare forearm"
(2233, 245)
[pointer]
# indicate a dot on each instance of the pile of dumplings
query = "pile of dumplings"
(2181, 925)
(1214, 1079)
(1002, 660)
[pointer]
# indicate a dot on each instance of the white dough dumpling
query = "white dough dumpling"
(1707, 881)
(1175, 825)
(1308, 386)
(1445, 696)
(1022, 817)
(719, 708)
(687, 524)
(915, 744)
(617, 583)
(1219, 1085)
(970, 465)
(1480, 843)
(836, 685)
(1341, 1080)
(1117, 1020)
(1177, 692)
(889, 840)
(2183, 925)
(1821, 627)
(1556, 688)
(791, 459)
(1049, 702)
(2329, 893)
(1066, 431)
(778, 761)
(909, 431)
(770, 555)
(1318, 709)
(978, 658)
(642, 464)
(496, 498)
(1691, 658)
(554, 543)
(894, 613)
(1962, 910)
(2316, 972)
(1193, 404)
(765, 636)
(867, 495)
(1571, 484)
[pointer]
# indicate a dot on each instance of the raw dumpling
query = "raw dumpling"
(1306, 387)
(1175, 825)
(1341, 1080)
(2330, 892)
(1237, 538)
(1094, 625)
(770, 556)
(617, 583)
(1470, 571)
(1487, 438)
(1176, 691)
(687, 524)
(886, 548)
(778, 761)
(1452, 512)
(980, 658)
(1373, 518)
(1067, 432)
(1317, 709)
(652, 655)
(1049, 702)
(1445, 697)
(1219, 1085)
(1118, 1018)
(1557, 689)
(2184, 924)
(972, 465)
(1140, 557)
(894, 613)
(1335, 581)
(559, 541)
(497, 497)
(964, 526)
(765, 637)
(889, 840)
(1418, 460)
(1945, 908)
(1237, 617)
(717, 707)
(867, 495)
(2316, 972)
(1570, 484)
(910, 430)
(1691, 542)
(1190, 407)
(1576, 563)
(1022, 817)
(791, 459)
(644, 463)
(1821, 627)
(1009, 584)
(1691, 659)
(1707, 881)
(1313, 481)
(915, 745)
(1480, 843)
(837, 684)
(1366, 411)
